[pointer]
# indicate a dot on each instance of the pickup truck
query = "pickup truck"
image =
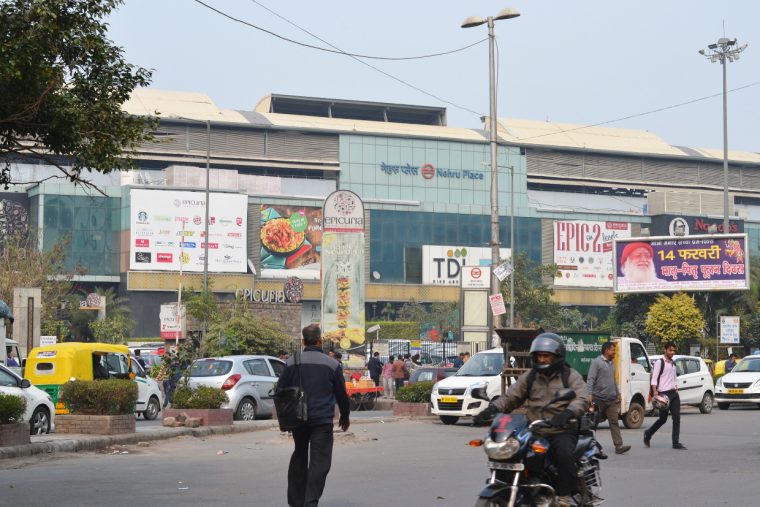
(451, 397)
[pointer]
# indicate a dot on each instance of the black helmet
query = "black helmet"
(551, 343)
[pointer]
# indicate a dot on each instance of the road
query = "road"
(419, 463)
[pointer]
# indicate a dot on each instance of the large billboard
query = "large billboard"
(343, 269)
(693, 263)
(167, 226)
(685, 225)
(291, 241)
(442, 265)
(583, 251)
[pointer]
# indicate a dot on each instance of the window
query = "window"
(210, 368)
(257, 367)
(7, 380)
(692, 366)
(277, 367)
(639, 355)
(680, 367)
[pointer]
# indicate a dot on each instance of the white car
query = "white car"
(451, 397)
(40, 411)
(694, 381)
(740, 385)
(149, 395)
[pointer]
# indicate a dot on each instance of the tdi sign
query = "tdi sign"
(442, 265)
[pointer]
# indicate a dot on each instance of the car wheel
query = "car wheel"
(39, 423)
(723, 405)
(246, 411)
(449, 419)
(707, 403)
(634, 418)
(152, 409)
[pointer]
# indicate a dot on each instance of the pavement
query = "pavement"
(58, 442)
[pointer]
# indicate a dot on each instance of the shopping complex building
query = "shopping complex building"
(425, 185)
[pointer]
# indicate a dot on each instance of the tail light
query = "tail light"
(230, 382)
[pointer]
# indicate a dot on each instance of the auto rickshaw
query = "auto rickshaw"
(51, 366)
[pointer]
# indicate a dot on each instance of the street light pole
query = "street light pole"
(493, 139)
(208, 170)
(724, 49)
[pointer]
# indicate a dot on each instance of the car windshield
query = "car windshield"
(210, 368)
(752, 365)
(482, 365)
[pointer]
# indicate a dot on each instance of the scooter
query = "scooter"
(522, 474)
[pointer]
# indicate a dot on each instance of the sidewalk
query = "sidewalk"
(47, 444)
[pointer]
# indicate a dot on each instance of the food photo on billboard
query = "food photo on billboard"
(691, 263)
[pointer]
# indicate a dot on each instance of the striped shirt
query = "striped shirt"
(668, 378)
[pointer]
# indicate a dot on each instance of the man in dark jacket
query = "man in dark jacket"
(375, 367)
(322, 379)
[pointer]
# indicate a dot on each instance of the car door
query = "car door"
(262, 381)
(639, 370)
(9, 384)
(142, 385)
(687, 371)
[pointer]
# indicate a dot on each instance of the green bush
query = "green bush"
(419, 392)
(396, 329)
(11, 408)
(100, 397)
(186, 397)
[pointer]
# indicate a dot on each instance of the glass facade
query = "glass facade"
(90, 222)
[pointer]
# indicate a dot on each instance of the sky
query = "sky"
(570, 61)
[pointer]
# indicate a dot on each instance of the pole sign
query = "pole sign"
(497, 304)
(476, 277)
(729, 330)
(343, 269)
(691, 263)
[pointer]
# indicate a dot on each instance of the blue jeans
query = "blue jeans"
(169, 386)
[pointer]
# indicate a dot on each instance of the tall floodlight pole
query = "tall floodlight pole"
(724, 49)
(468, 23)
(208, 171)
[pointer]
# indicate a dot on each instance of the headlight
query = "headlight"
(435, 389)
(501, 450)
(469, 389)
(719, 383)
(756, 384)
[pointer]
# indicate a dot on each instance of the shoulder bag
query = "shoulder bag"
(290, 402)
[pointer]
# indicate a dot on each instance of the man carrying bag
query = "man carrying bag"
(315, 383)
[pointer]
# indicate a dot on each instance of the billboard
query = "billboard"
(167, 226)
(442, 265)
(692, 263)
(291, 241)
(686, 225)
(343, 269)
(583, 251)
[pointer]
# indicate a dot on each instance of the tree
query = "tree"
(115, 329)
(236, 331)
(628, 317)
(675, 319)
(534, 306)
(62, 83)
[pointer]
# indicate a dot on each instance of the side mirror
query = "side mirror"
(25, 384)
(564, 395)
(480, 393)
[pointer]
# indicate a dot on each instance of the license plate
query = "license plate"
(449, 399)
(513, 467)
(736, 391)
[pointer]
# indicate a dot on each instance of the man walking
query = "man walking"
(375, 367)
(605, 394)
(664, 383)
(322, 380)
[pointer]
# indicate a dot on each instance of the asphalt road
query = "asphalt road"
(400, 463)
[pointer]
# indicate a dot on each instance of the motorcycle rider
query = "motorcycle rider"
(534, 389)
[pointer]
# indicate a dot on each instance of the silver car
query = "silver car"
(247, 381)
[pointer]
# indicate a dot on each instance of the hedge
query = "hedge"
(395, 330)
(204, 397)
(12, 408)
(100, 397)
(419, 392)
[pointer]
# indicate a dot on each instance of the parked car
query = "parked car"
(247, 381)
(149, 395)
(40, 411)
(694, 380)
(740, 385)
(431, 374)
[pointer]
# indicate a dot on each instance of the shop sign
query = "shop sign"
(583, 251)
(442, 265)
(429, 171)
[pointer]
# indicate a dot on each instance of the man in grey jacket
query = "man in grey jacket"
(604, 393)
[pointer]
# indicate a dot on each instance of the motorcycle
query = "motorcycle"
(521, 472)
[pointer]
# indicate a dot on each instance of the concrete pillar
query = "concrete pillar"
(27, 308)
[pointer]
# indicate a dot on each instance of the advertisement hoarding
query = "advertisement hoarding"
(291, 241)
(343, 269)
(583, 251)
(442, 265)
(693, 263)
(167, 227)
(730, 330)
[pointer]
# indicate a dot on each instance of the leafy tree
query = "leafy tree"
(628, 317)
(675, 319)
(62, 83)
(115, 329)
(236, 331)
(534, 306)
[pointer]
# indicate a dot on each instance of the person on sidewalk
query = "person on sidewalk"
(664, 382)
(399, 373)
(389, 386)
(375, 368)
(322, 380)
(605, 397)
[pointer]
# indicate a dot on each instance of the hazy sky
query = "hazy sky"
(580, 62)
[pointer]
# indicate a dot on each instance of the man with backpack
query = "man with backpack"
(664, 383)
(537, 387)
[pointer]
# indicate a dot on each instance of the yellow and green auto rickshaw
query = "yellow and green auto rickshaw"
(51, 366)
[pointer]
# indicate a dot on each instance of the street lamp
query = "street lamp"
(724, 49)
(469, 23)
